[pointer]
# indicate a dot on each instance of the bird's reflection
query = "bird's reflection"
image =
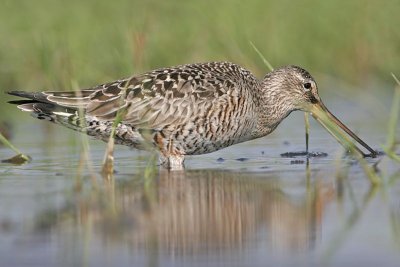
(198, 211)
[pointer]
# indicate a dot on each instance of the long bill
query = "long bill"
(332, 125)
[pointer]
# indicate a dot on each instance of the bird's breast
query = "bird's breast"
(217, 127)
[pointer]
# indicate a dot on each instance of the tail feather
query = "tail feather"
(64, 108)
(70, 99)
(41, 108)
(38, 96)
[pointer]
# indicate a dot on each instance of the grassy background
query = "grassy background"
(49, 44)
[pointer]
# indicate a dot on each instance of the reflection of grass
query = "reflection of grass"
(353, 219)
(395, 224)
(350, 222)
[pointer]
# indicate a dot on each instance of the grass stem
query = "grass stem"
(266, 62)
(334, 130)
(20, 158)
(307, 129)
(391, 142)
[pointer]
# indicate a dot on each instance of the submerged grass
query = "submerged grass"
(108, 162)
(350, 222)
(18, 159)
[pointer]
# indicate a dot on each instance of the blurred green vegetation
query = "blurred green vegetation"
(49, 44)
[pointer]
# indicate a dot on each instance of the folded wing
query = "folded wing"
(153, 99)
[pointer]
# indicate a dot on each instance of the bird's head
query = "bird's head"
(292, 88)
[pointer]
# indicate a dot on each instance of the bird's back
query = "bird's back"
(188, 109)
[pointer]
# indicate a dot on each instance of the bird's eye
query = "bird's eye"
(307, 86)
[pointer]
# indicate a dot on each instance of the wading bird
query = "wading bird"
(185, 110)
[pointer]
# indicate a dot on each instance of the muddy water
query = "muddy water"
(242, 206)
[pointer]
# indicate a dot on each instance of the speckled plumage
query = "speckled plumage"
(185, 110)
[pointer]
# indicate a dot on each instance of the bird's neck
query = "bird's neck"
(272, 110)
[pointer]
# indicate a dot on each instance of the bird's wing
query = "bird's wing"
(153, 99)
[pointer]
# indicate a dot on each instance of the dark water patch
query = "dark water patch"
(297, 161)
(352, 162)
(294, 154)
(381, 153)
(304, 154)
(317, 154)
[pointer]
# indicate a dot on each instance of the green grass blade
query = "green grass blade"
(336, 132)
(108, 162)
(266, 62)
(393, 121)
(8, 144)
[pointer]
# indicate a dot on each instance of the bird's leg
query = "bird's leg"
(172, 162)
(171, 159)
(175, 162)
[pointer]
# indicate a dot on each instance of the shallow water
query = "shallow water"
(242, 206)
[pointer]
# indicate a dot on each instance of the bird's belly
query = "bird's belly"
(193, 137)
(209, 137)
(124, 134)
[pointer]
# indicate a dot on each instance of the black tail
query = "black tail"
(37, 96)
(67, 109)
(36, 103)
(41, 108)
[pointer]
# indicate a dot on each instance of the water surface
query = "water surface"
(241, 206)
